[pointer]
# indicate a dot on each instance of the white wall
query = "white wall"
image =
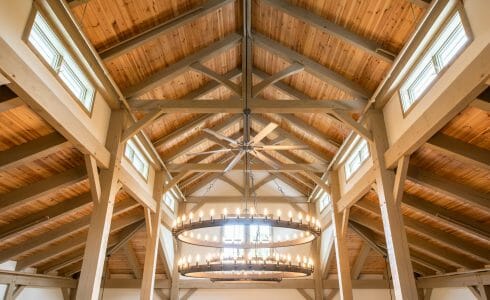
(245, 294)
(452, 294)
(40, 294)
(453, 84)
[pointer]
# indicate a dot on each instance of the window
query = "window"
(137, 159)
(447, 45)
(324, 200)
(233, 234)
(169, 200)
(358, 156)
(260, 234)
(47, 44)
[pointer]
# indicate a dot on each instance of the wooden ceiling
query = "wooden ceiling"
(44, 219)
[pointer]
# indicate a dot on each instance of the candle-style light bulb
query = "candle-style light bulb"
(252, 211)
(198, 236)
(206, 237)
(307, 218)
(184, 217)
(279, 214)
(215, 238)
(225, 212)
(290, 215)
(211, 213)
(266, 212)
(191, 216)
(198, 258)
(237, 212)
(300, 216)
(174, 224)
(298, 259)
(201, 214)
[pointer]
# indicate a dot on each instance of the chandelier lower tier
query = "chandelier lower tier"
(241, 269)
(299, 231)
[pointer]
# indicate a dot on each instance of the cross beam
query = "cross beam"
(317, 168)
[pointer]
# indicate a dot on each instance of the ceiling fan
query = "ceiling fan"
(247, 145)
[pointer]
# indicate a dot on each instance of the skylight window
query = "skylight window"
(50, 48)
(443, 50)
(357, 157)
(137, 158)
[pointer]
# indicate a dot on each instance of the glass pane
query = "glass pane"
(52, 50)
(43, 46)
(72, 81)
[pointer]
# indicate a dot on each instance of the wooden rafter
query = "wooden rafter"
(317, 168)
(213, 106)
(297, 122)
(41, 188)
(450, 188)
(448, 217)
(61, 232)
(421, 245)
(115, 244)
(197, 66)
(424, 266)
(460, 151)
(200, 138)
(49, 214)
(269, 199)
(360, 261)
(182, 65)
(132, 260)
(68, 245)
(441, 236)
(332, 28)
(316, 153)
(312, 67)
(291, 70)
(196, 123)
(163, 28)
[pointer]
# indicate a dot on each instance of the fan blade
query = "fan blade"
(264, 132)
(281, 147)
(235, 161)
(220, 136)
(210, 152)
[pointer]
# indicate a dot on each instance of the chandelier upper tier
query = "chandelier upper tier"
(301, 229)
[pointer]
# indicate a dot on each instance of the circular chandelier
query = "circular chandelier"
(252, 260)
(302, 229)
(254, 268)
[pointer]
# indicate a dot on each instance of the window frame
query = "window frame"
(324, 195)
(171, 196)
(356, 150)
(246, 236)
(55, 70)
(138, 148)
(439, 72)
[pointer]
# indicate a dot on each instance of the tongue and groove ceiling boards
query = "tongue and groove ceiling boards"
(179, 64)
